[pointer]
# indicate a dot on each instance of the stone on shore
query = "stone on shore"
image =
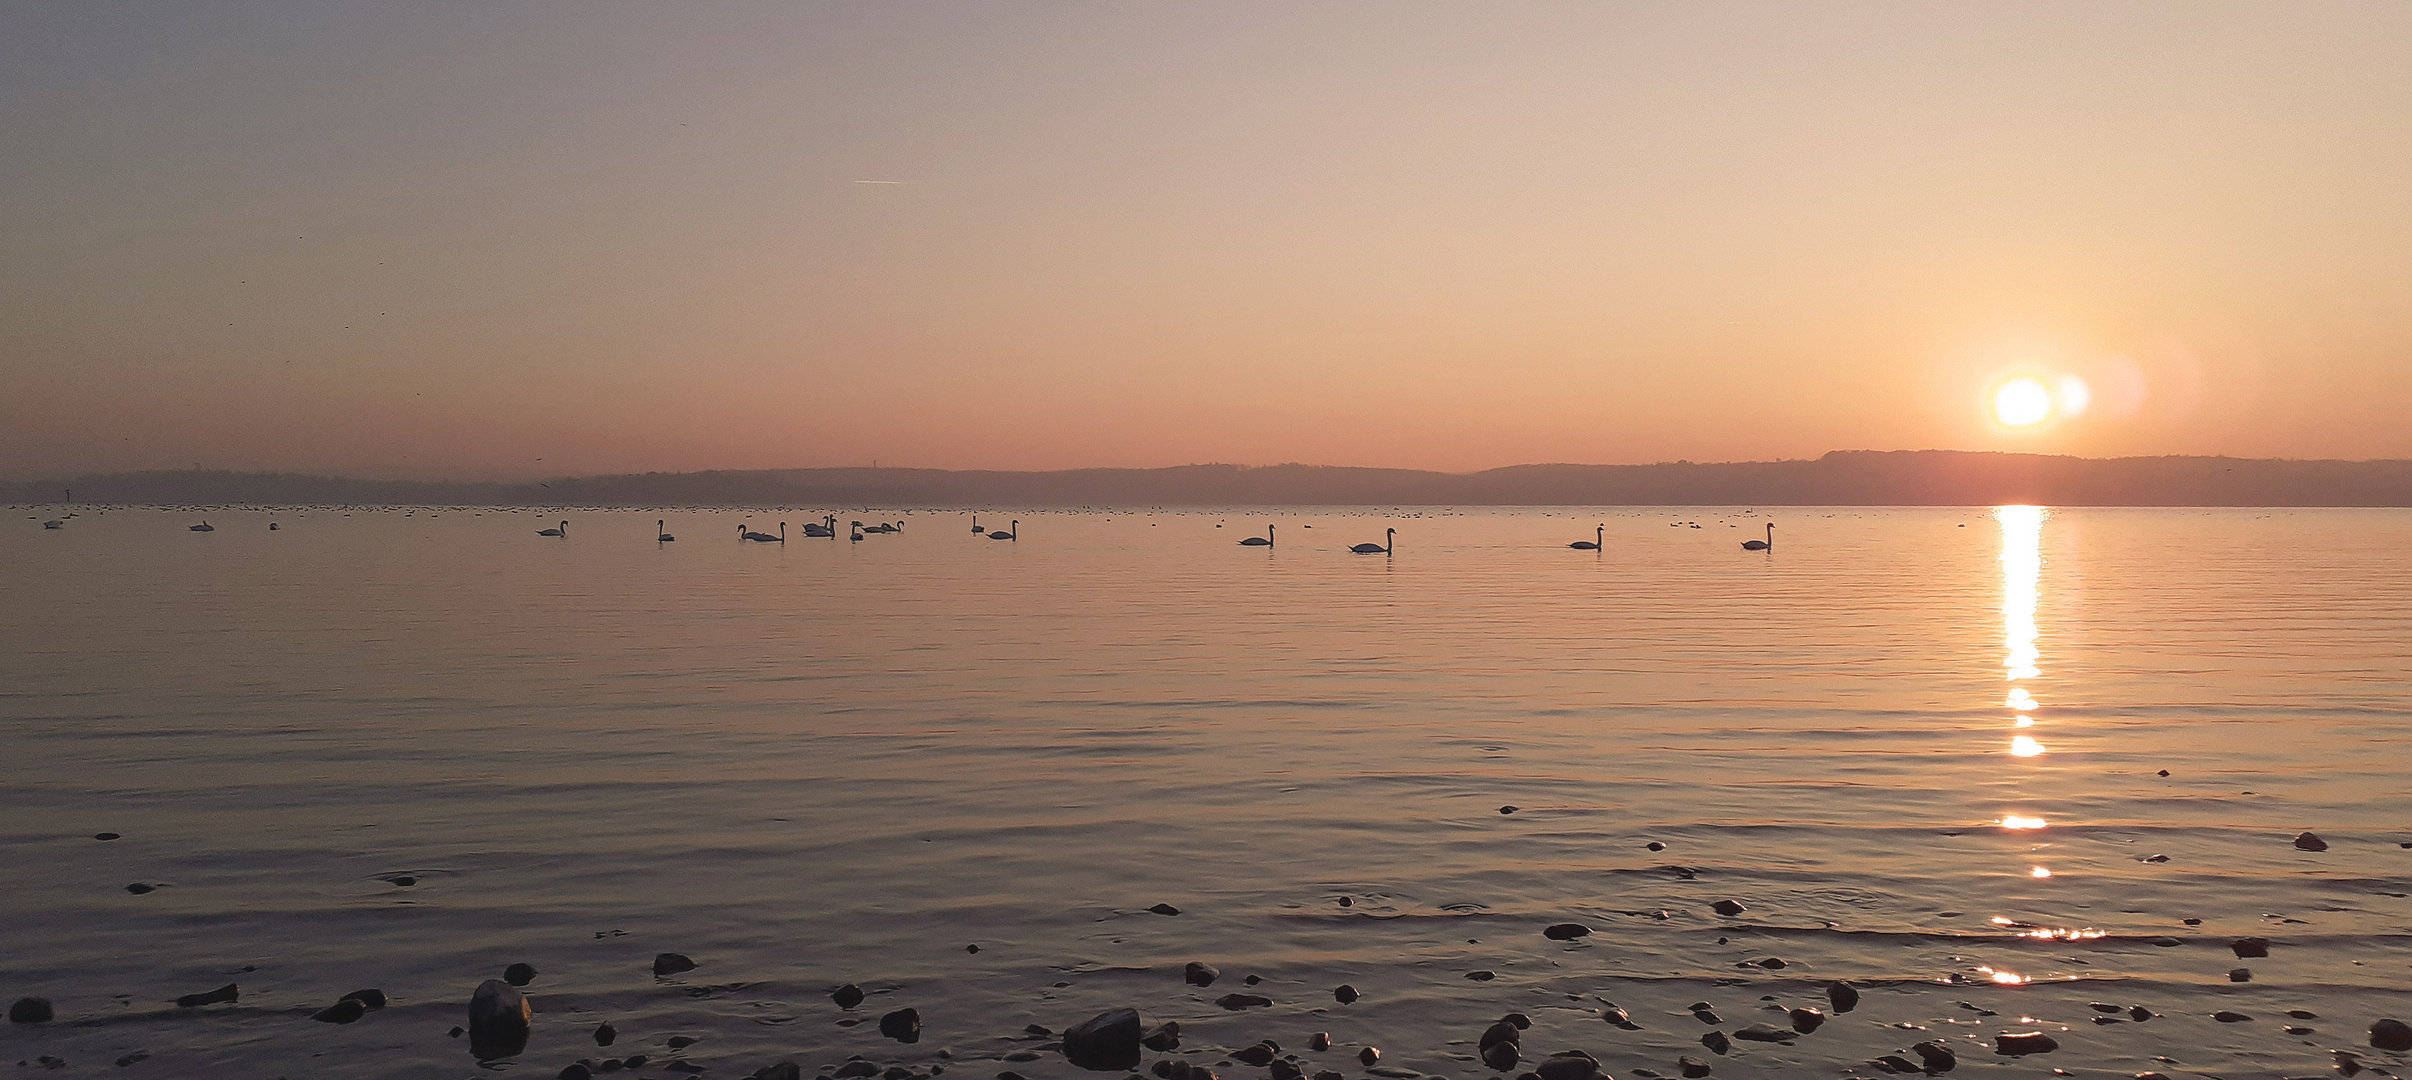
(1843, 996)
(671, 963)
(1728, 908)
(1569, 1065)
(1165, 909)
(1717, 1042)
(32, 1010)
(228, 992)
(519, 974)
(1369, 1055)
(1242, 1001)
(371, 997)
(903, 1025)
(1806, 1020)
(1501, 1056)
(499, 1016)
(2248, 948)
(1344, 993)
(1503, 1031)
(1104, 1042)
(2385, 1034)
(342, 1012)
(847, 996)
(1767, 1033)
(1937, 1056)
(605, 1034)
(1566, 931)
(1258, 1055)
(2310, 842)
(2024, 1042)
(1692, 1067)
(1166, 1036)
(1199, 974)
(1319, 1041)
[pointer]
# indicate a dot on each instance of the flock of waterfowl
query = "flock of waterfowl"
(827, 528)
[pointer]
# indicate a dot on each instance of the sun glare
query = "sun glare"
(2022, 402)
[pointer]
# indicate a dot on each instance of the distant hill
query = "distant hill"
(1841, 478)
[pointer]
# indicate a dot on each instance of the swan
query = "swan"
(976, 527)
(660, 537)
(1762, 545)
(858, 533)
(1258, 541)
(562, 531)
(272, 526)
(203, 527)
(1389, 539)
(1008, 534)
(827, 526)
(1597, 537)
(766, 538)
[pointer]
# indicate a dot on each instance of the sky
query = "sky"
(486, 240)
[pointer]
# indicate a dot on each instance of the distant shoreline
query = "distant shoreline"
(1841, 478)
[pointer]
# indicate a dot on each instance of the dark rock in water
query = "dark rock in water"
(605, 1034)
(1369, 1055)
(1319, 1041)
(2310, 842)
(1508, 809)
(2248, 948)
(1571, 1065)
(1501, 1056)
(2240, 974)
(32, 1010)
(847, 996)
(1655, 846)
(1346, 902)
(498, 1018)
(853, 1069)
(1692, 1067)
(371, 997)
(138, 888)
(1806, 1020)
(2024, 1042)
(1256, 1055)
(1773, 963)
(1344, 993)
(2193, 922)
(1165, 909)
(1166, 1036)
(1242, 1001)
(2227, 1016)
(1566, 931)
(2293, 1030)
(1619, 1018)
(1108, 1040)
(1843, 996)
(1767, 1033)
(1197, 974)
(405, 881)
(228, 992)
(1522, 1022)
(1938, 1057)
(1482, 976)
(2391, 1035)
(575, 1071)
(1287, 1070)
(342, 1012)
(519, 974)
(2140, 1013)
(971, 948)
(903, 1025)
(1499, 1033)
(671, 963)
(1252, 980)
(1728, 907)
(1717, 1041)
(104, 836)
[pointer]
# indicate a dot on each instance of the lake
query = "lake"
(1992, 766)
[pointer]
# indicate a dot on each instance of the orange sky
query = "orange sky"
(528, 239)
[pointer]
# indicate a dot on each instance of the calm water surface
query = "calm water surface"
(835, 762)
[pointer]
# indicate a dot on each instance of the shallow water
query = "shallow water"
(831, 762)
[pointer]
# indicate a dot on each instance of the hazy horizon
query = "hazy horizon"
(480, 242)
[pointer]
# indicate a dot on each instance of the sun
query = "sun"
(2022, 402)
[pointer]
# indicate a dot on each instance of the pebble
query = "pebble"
(1619, 1018)
(1330, 1074)
(1773, 963)
(2240, 974)
(1692, 1067)
(523, 974)
(2226, 1016)
(405, 881)
(1252, 980)
(1242, 1001)
(1501, 1056)
(1522, 1022)
(1566, 931)
(2385, 1034)
(1717, 1042)
(1197, 974)
(104, 836)
(857, 1068)
(1166, 1036)
(228, 992)
(1569, 1065)
(605, 1034)
(1728, 907)
(32, 1010)
(971, 948)
(2310, 842)
(671, 963)
(1319, 1041)
(1938, 1057)
(342, 1012)
(1108, 1040)
(498, 1015)
(1508, 809)
(785, 1070)
(1258, 1055)
(847, 996)
(2024, 1042)
(1369, 1055)
(1766, 1033)
(1655, 846)
(1897, 1063)
(903, 1025)
(2140, 1013)
(1806, 1020)
(1344, 993)
(371, 997)
(1482, 976)
(574, 1071)
(138, 888)
(1500, 1032)
(2292, 1029)
(1165, 909)
(2250, 947)
(1706, 1015)
(1843, 996)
